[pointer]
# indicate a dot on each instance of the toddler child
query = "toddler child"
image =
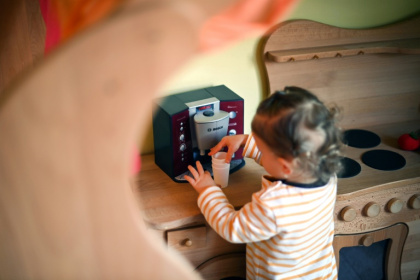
(289, 225)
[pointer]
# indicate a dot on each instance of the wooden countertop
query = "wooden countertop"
(168, 205)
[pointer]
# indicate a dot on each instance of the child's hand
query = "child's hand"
(202, 179)
(232, 142)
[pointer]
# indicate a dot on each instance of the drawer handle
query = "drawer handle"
(366, 240)
(187, 242)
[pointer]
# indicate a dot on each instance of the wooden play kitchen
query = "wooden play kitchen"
(373, 75)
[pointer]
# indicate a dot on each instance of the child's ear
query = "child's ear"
(286, 166)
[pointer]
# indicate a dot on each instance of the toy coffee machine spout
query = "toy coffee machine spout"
(186, 125)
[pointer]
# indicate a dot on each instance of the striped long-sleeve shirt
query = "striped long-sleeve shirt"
(288, 228)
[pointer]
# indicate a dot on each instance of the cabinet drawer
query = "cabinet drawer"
(187, 239)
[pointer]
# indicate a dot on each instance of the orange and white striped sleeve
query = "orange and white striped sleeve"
(253, 222)
(251, 150)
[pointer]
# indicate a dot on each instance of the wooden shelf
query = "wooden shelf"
(408, 46)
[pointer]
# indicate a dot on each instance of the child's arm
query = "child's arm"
(251, 150)
(232, 142)
(252, 223)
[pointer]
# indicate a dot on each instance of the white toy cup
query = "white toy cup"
(219, 157)
(220, 169)
(221, 175)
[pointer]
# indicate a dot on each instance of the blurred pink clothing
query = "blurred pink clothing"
(242, 19)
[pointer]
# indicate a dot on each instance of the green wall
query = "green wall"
(356, 13)
(235, 65)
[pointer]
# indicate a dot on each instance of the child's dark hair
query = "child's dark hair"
(295, 124)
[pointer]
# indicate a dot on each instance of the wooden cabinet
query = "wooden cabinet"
(377, 214)
(397, 234)
(210, 255)
(230, 265)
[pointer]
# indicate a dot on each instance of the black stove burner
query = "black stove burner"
(378, 159)
(359, 138)
(351, 168)
(383, 160)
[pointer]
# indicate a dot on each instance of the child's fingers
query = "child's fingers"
(213, 150)
(199, 168)
(190, 180)
(193, 172)
(218, 147)
(229, 155)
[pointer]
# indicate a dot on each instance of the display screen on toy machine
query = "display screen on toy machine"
(205, 107)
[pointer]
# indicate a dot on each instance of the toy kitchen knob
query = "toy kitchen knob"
(394, 205)
(414, 202)
(371, 209)
(366, 240)
(348, 214)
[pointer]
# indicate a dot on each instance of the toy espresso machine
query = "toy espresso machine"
(186, 125)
